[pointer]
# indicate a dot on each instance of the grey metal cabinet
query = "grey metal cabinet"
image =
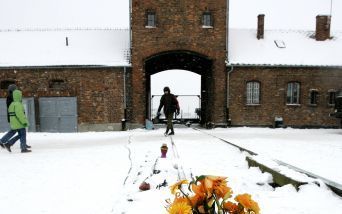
(58, 114)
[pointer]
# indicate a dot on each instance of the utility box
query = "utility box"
(278, 122)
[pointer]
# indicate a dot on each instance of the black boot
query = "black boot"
(8, 147)
(167, 130)
(172, 132)
(25, 151)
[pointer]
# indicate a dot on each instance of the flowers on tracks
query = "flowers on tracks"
(209, 194)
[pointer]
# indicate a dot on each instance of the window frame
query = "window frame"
(205, 20)
(330, 92)
(313, 97)
(151, 23)
(290, 93)
(57, 84)
(253, 92)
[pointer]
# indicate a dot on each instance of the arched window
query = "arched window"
(293, 93)
(5, 83)
(253, 92)
(57, 84)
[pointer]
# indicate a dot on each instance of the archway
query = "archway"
(182, 60)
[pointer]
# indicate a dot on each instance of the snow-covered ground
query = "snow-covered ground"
(100, 172)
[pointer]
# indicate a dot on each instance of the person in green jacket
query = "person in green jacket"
(18, 121)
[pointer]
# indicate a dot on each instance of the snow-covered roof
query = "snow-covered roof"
(283, 48)
(65, 48)
(284, 14)
(288, 23)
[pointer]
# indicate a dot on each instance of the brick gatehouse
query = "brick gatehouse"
(171, 35)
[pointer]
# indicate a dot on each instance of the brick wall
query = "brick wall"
(179, 27)
(273, 82)
(99, 91)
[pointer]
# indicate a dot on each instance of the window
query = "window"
(332, 96)
(207, 20)
(253, 93)
(5, 83)
(57, 84)
(293, 93)
(313, 97)
(150, 19)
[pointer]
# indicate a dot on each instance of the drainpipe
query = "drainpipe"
(124, 85)
(130, 23)
(231, 67)
(227, 27)
(123, 121)
(228, 93)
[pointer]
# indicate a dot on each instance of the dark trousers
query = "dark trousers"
(169, 122)
(10, 140)
(8, 136)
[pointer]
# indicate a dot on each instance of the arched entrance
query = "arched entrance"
(183, 60)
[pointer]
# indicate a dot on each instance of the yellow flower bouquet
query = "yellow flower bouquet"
(209, 195)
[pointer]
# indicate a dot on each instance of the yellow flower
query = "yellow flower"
(180, 208)
(181, 200)
(246, 201)
(176, 186)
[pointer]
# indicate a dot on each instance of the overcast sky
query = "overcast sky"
(279, 14)
(21, 14)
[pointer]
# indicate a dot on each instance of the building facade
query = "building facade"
(248, 77)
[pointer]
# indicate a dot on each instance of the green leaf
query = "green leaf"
(211, 202)
(189, 186)
(200, 178)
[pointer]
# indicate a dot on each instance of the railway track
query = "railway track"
(279, 178)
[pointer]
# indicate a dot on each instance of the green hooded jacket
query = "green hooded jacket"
(16, 112)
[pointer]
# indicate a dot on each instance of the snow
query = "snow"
(100, 172)
(301, 49)
(32, 33)
(49, 48)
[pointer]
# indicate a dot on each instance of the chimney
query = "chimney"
(322, 27)
(260, 32)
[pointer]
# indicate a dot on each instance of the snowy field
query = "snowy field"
(99, 173)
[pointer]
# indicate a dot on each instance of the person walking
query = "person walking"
(18, 122)
(170, 105)
(10, 133)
